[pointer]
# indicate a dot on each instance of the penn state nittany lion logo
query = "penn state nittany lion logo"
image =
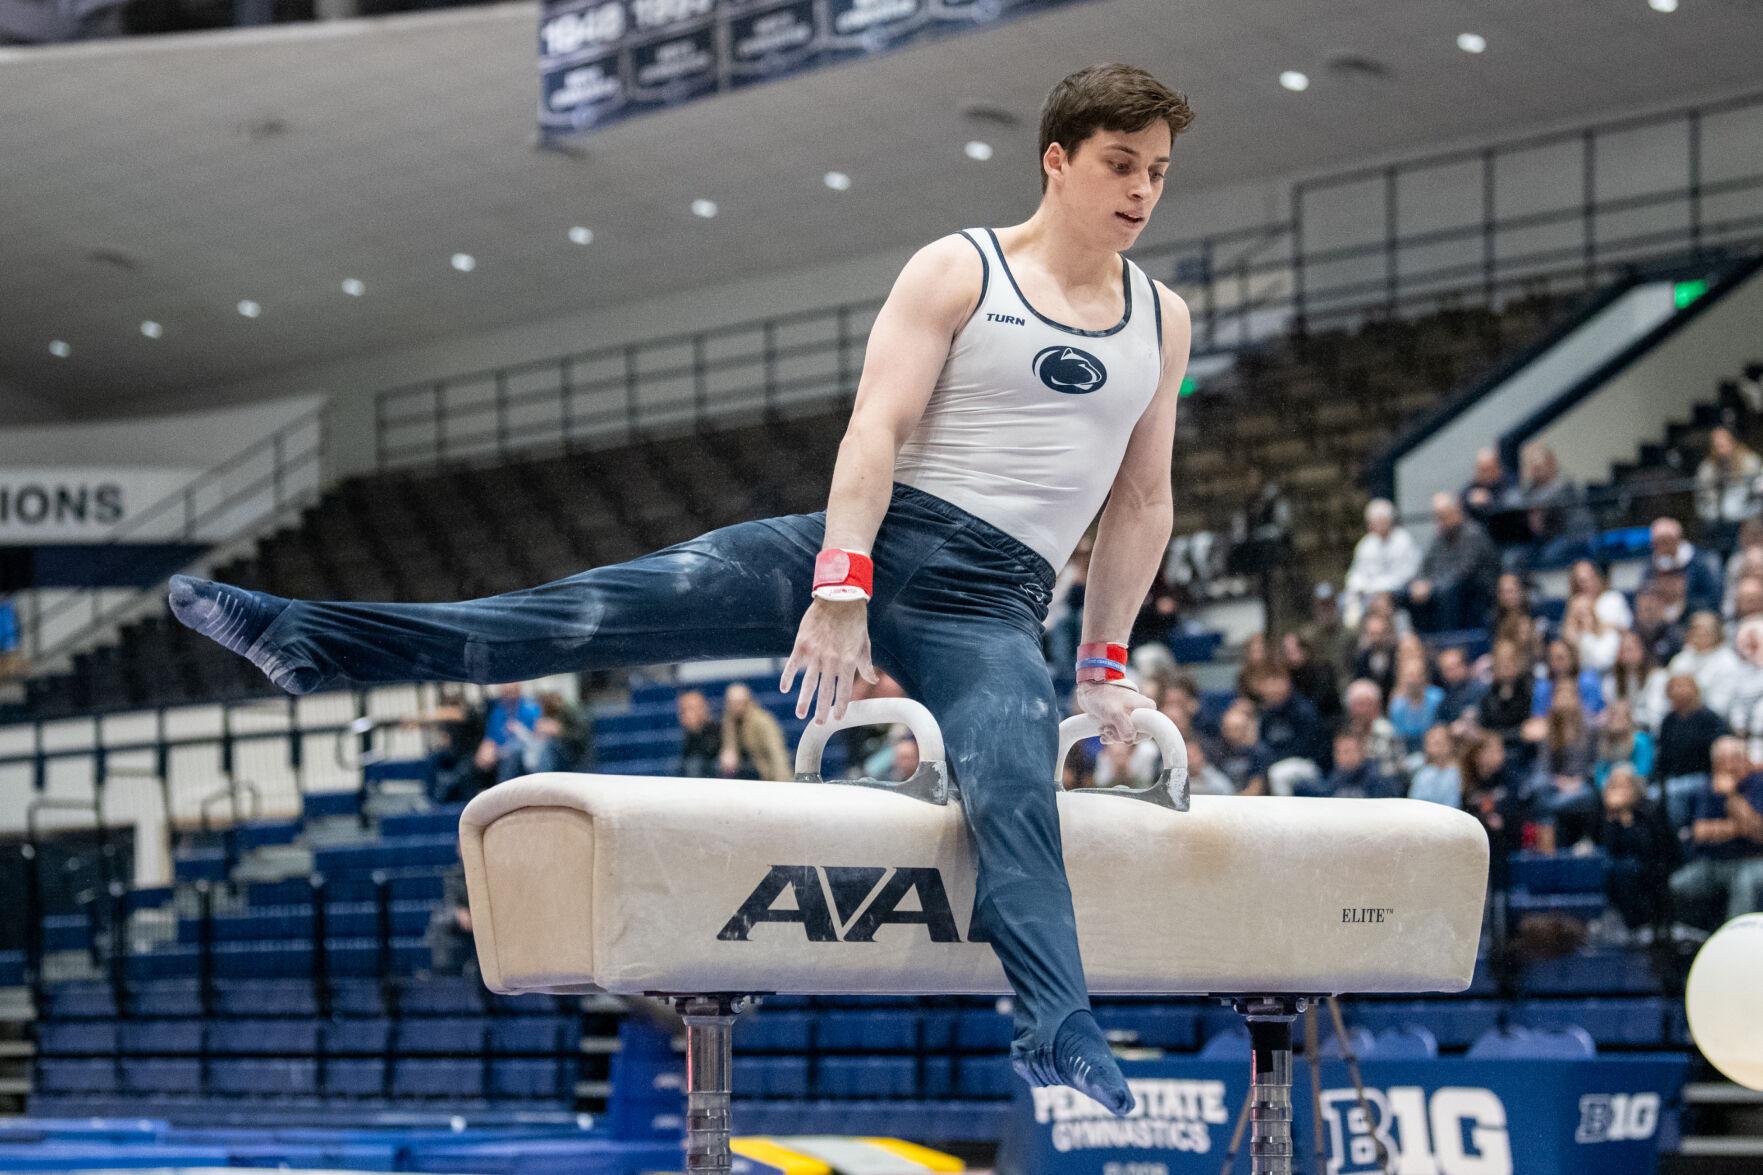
(1069, 370)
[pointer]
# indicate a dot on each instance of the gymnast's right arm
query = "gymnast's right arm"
(908, 343)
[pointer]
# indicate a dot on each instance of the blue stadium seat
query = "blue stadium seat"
(162, 1075)
(442, 997)
(82, 1000)
(317, 805)
(937, 1029)
(11, 968)
(1602, 972)
(166, 997)
(527, 1079)
(161, 1037)
(867, 1077)
(1631, 1023)
(1568, 1043)
(1408, 1043)
(262, 959)
(1230, 1045)
(1153, 1026)
(1359, 1040)
(355, 1078)
(76, 1037)
(439, 1034)
(67, 932)
(255, 834)
(281, 1037)
(937, 1079)
(442, 821)
(253, 997)
(1453, 1023)
(771, 1077)
(357, 997)
(533, 1034)
(264, 1078)
(63, 1075)
(984, 1077)
(982, 1031)
(889, 1031)
(768, 1031)
(357, 1037)
(426, 1078)
(1559, 873)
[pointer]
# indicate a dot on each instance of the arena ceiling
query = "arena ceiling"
(171, 178)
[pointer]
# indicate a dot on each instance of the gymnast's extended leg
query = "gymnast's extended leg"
(737, 591)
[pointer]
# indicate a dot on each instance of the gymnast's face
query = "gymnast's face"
(1111, 181)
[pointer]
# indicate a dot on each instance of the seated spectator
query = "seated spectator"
(1744, 709)
(1415, 706)
(1457, 575)
(1438, 779)
(1118, 766)
(1460, 691)
(1257, 658)
(700, 739)
(1241, 755)
(1312, 678)
(499, 752)
(1710, 660)
(1663, 635)
(556, 741)
(1640, 851)
(1365, 721)
(1506, 704)
(1747, 600)
(1494, 794)
(452, 949)
(863, 741)
(1489, 499)
(1678, 573)
(1681, 766)
(1637, 681)
(1587, 581)
(1159, 617)
(1594, 642)
(1203, 778)
(1356, 775)
(1621, 741)
(1375, 658)
(1062, 629)
(453, 731)
(906, 759)
(1289, 725)
(1746, 559)
(1561, 671)
(1326, 631)
(1726, 487)
(1724, 876)
(1384, 560)
(1558, 523)
(752, 740)
(1560, 787)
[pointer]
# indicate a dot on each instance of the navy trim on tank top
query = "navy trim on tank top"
(1125, 289)
(985, 275)
(1157, 316)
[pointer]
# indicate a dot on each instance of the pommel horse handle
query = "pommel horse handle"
(1168, 790)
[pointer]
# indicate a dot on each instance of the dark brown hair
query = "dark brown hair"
(1119, 98)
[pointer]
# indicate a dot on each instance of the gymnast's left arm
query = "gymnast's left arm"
(1136, 523)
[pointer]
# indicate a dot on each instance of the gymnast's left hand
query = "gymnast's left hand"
(832, 650)
(1112, 706)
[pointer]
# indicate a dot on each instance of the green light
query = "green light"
(1188, 385)
(1683, 293)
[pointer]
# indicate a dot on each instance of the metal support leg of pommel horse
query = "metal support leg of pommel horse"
(710, 1027)
(1270, 1080)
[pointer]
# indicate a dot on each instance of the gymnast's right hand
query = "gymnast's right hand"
(832, 650)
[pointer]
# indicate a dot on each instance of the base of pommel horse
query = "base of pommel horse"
(579, 883)
(710, 1025)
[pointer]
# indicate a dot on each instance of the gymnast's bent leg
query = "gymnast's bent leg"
(992, 695)
(737, 591)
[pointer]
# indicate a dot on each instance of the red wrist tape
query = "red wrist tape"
(843, 575)
(1101, 661)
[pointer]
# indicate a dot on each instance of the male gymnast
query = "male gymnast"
(1014, 381)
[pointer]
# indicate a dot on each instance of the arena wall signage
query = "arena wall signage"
(83, 504)
(1448, 1116)
(602, 61)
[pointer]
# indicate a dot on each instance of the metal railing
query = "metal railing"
(283, 471)
(1242, 287)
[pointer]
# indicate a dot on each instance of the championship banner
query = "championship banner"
(85, 504)
(1437, 1117)
(602, 61)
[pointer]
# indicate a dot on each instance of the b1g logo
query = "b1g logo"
(1069, 370)
(1457, 1130)
(1617, 1117)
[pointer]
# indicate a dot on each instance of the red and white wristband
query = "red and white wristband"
(1102, 661)
(843, 575)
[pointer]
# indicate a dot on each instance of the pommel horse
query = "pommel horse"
(706, 892)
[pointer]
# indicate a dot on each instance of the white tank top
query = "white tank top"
(1029, 420)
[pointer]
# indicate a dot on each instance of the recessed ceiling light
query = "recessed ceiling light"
(353, 287)
(704, 208)
(1472, 42)
(464, 262)
(60, 349)
(581, 236)
(1663, 5)
(978, 151)
(1292, 80)
(249, 308)
(152, 329)
(838, 181)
